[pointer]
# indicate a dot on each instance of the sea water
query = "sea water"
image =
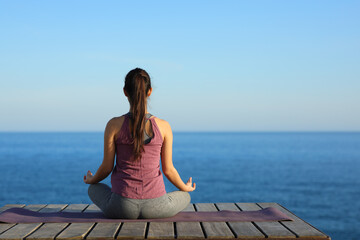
(313, 174)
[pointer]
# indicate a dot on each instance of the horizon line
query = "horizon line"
(193, 131)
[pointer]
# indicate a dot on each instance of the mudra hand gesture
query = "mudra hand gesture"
(190, 186)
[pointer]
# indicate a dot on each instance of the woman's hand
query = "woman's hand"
(190, 186)
(88, 178)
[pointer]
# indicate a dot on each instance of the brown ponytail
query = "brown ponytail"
(137, 85)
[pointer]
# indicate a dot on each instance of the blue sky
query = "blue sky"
(215, 65)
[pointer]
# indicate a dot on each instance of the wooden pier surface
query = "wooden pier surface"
(297, 229)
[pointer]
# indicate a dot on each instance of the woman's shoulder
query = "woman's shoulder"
(163, 126)
(116, 120)
(161, 122)
(115, 124)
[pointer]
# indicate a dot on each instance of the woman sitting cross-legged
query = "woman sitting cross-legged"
(138, 140)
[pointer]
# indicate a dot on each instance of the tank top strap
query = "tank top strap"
(156, 129)
(148, 115)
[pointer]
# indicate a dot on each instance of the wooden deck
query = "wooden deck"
(297, 229)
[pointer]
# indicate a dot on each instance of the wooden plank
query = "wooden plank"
(35, 207)
(189, 208)
(218, 230)
(92, 208)
(104, 231)
(8, 206)
(49, 231)
(32, 207)
(301, 228)
(243, 230)
(132, 230)
(272, 230)
(53, 208)
(189, 230)
(161, 230)
(75, 208)
(20, 231)
(5, 226)
(77, 230)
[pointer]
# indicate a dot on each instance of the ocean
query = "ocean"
(313, 174)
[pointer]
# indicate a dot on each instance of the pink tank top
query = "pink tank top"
(141, 179)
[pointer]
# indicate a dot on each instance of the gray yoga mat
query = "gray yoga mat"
(20, 215)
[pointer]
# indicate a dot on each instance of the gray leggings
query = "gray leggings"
(115, 206)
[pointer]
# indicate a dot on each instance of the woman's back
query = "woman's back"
(138, 189)
(141, 178)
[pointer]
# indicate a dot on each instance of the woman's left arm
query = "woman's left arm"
(109, 155)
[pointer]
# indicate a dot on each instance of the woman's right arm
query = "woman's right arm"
(166, 161)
